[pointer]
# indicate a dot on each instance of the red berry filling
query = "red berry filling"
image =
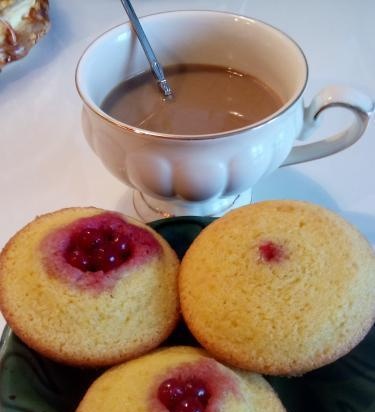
(97, 249)
(198, 386)
(189, 404)
(89, 251)
(179, 395)
(170, 392)
(271, 252)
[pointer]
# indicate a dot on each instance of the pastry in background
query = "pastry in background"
(22, 24)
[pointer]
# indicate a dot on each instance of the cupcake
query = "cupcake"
(88, 287)
(179, 379)
(279, 287)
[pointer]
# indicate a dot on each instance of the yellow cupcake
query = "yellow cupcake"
(89, 301)
(279, 287)
(138, 386)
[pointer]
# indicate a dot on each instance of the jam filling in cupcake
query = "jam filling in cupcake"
(197, 387)
(271, 252)
(93, 252)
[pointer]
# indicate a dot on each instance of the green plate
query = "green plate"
(32, 383)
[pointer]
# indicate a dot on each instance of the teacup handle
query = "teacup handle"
(333, 96)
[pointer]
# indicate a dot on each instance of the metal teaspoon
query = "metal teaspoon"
(156, 68)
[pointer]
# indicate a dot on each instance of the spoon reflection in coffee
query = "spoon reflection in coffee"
(206, 99)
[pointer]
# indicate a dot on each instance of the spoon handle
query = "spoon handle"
(156, 68)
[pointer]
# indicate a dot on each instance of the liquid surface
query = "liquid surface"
(206, 99)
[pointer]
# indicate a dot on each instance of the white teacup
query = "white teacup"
(207, 174)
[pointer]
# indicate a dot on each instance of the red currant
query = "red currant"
(170, 392)
(196, 388)
(270, 252)
(189, 404)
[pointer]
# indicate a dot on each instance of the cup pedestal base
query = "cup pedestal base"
(149, 208)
